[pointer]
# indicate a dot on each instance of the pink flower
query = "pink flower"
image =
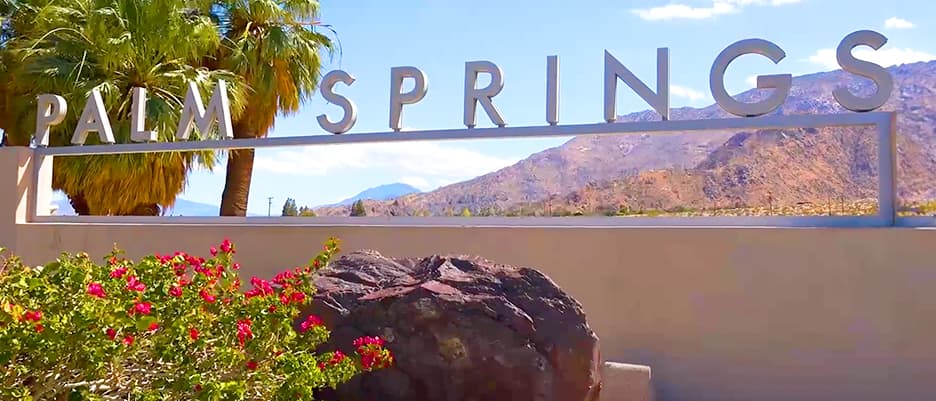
(310, 322)
(298, 297)
(193, 333)
(128, 340)
(214, 251)
(143, 308)
(227, 246)
(175, 291)
(153, 326)
(364, 341)
(33, 315)
(111, 333)
(95, 290)
(236, 266)
(243, 331)
(206, 296)
(135, 285)
(118, 272)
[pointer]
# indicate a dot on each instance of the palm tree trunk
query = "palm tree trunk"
(237, 182)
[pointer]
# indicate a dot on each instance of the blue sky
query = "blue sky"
(440, 36)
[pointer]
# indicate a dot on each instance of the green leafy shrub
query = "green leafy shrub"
(169, 327)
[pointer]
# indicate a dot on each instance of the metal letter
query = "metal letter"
(781, 82)
(484, 95)
(194, 112)
(397, 99)
(93, 118)
(880, 76)
(350, 110)
(138, 118)
(614, 70)
(552, 90)
(51, 111)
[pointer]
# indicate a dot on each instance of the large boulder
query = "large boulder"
(460, 328)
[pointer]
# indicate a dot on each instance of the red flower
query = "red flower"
(365, 341)
(112, 260)
(298, 297)
(243, 331)
(310, 322)
(175, 291)
(252, 365)
(95, 290)
(39, 328)
(33, 315)
(135, 285)
(236, 266)
(214, 251)
(284, 299)
(197, 387)
(128, 340)
(118, 272)
(193, 333)
(143, 308)
(337, 357)
(227, 246)
(111, 333)
(272, 309)
(153, 326)
(206, 296)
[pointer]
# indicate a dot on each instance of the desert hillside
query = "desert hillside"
(597, 174)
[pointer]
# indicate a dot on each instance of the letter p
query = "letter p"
(51, 111)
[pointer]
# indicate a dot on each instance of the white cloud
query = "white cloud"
(884, 57)
(420, 162)
(898, 23)
(687, 93)
(718, 7)
(751, 80)
(417, 182)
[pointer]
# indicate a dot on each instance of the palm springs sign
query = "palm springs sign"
(53, 108)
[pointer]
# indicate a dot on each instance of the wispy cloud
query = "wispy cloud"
(884, 57)
(687, 93)
(674, 11)
(898, 23)
(421, 183)
(420, 163)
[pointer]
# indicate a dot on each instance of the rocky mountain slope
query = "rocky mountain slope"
(703, 169)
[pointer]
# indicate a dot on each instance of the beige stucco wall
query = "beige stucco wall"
(752, 314)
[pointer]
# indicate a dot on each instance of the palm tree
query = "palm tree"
(275, 50)
(76, 46)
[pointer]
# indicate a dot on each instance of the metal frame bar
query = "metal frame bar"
(884, 122)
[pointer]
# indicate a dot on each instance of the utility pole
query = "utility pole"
(269, 206)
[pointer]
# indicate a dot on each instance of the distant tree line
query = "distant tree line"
(290, 209)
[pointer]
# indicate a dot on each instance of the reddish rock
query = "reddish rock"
(460, 328)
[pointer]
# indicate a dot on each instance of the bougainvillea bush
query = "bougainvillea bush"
(168, 327)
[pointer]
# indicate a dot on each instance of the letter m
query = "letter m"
(193, 112)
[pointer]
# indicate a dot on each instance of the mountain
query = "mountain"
(182, 207)
(592, 174)
(380, 193)
(185, 207)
